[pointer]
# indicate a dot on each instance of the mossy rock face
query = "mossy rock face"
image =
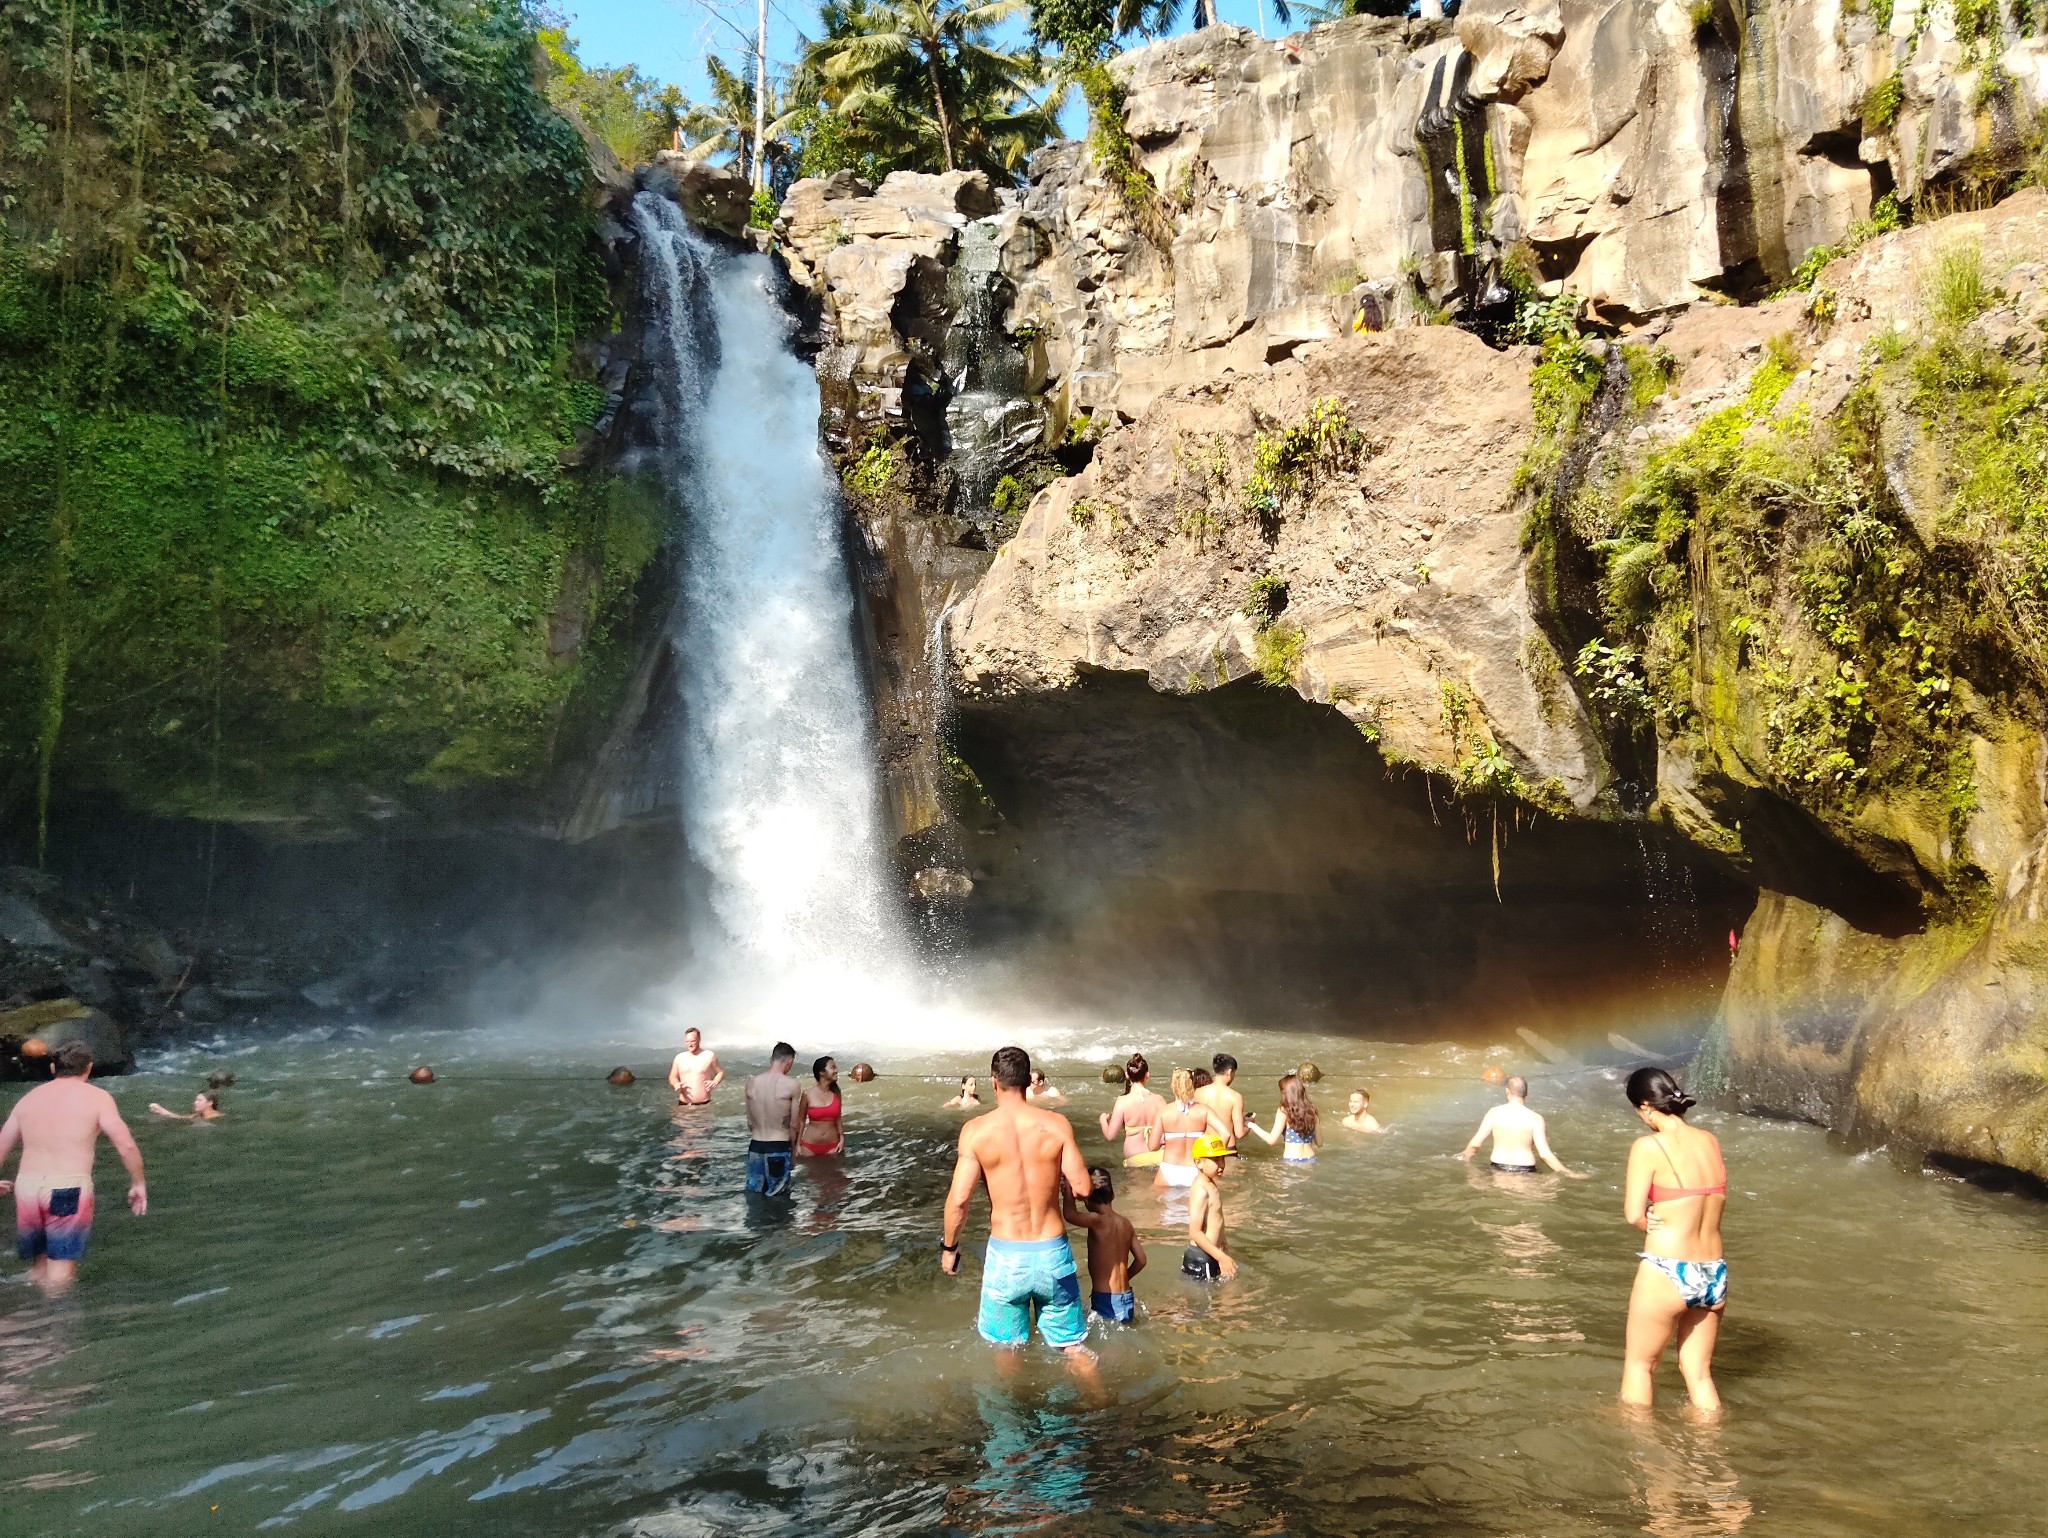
(1930, 1043)
(288, 532)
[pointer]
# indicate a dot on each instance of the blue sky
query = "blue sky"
(669, 38)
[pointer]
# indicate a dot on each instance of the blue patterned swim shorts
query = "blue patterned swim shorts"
(1019, 1276)
(768, 1167)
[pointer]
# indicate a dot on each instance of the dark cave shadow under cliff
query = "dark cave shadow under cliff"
(1243, 854)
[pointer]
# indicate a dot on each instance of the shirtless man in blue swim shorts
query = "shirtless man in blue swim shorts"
(1023, 1154)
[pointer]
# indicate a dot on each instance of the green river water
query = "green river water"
(520, 1301)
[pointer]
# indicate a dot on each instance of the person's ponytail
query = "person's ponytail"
(1655, 1088)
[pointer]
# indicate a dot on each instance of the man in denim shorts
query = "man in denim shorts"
(1023, 1154)
(775, 1119)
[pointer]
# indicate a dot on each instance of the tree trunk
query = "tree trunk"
(1205, 13)
(931, 69)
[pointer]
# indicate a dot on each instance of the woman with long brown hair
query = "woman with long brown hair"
(1295, 1120)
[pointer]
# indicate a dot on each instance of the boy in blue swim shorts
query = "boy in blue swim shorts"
(1026, 1155)
(1115, 1253)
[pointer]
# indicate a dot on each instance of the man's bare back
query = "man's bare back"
(774, 1100)
(58, 1126)
(1519, 1135)
(1022, 1154)
(1228, 1106)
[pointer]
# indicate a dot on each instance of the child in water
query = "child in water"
(1205, 1258)
(1115, 1253)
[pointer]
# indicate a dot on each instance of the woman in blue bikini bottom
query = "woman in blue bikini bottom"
(1676, 1189)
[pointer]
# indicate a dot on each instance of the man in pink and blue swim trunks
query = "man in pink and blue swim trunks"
(58, 1126)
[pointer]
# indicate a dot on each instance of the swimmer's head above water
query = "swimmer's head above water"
(1183, 1086)
(1136, 1070)
(1517, 1087)
(1225, 1067)
(1101, 1189)
(826, 1071)
(1359, 1101)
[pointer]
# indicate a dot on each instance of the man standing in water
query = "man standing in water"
(695, 1073)
(1023, 1154)
(1223, 1100)
(58, 1125)
(775, 1119)
(1518, 1135)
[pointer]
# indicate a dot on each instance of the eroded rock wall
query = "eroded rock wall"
(1290, 487)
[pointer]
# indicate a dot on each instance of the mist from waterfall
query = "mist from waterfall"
(780, 801)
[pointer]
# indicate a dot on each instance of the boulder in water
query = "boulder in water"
(1308, 1073)
(935, 881)
(22, 923)
(1113, 1074)
(422, 1075)
(620, 1076)
(202, 1003)
(35, 1047)
(101, 1035)
(220, 1078)
(862, 1073)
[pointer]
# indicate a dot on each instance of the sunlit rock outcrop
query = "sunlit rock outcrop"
(1753, 577)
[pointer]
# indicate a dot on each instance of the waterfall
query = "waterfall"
(780, 801)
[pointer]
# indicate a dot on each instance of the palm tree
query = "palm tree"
(1156, 18)
(883, 63)
(725, 124)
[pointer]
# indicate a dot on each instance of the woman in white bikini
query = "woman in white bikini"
(1135, 1116)
(1179, 1125)
(1676, 1190)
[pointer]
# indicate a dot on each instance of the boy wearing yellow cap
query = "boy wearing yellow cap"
(1205, 1257)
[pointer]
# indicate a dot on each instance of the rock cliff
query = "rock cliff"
(1634, 548)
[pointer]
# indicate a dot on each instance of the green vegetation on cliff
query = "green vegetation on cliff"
(1830, 605)
(289, 293)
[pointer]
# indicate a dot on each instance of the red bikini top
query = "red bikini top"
(1670, 1193)
(822, 1112)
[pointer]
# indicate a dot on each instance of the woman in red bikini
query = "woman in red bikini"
(823, 1133)
(1677, 1187)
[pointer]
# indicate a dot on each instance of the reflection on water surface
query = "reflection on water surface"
(523, 1302)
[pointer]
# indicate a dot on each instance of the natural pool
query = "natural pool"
(522, 1302)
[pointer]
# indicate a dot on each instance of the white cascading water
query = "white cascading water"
(780, 801)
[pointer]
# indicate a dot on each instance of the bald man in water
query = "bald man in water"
(58, 1126)
(1518, 1133)
(1023, 1154)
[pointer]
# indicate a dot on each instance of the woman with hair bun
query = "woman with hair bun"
(1677, 1187)
(1135, 1116)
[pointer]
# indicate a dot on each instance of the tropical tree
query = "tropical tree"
(725, 124)
(913, 81)
(628, 113)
